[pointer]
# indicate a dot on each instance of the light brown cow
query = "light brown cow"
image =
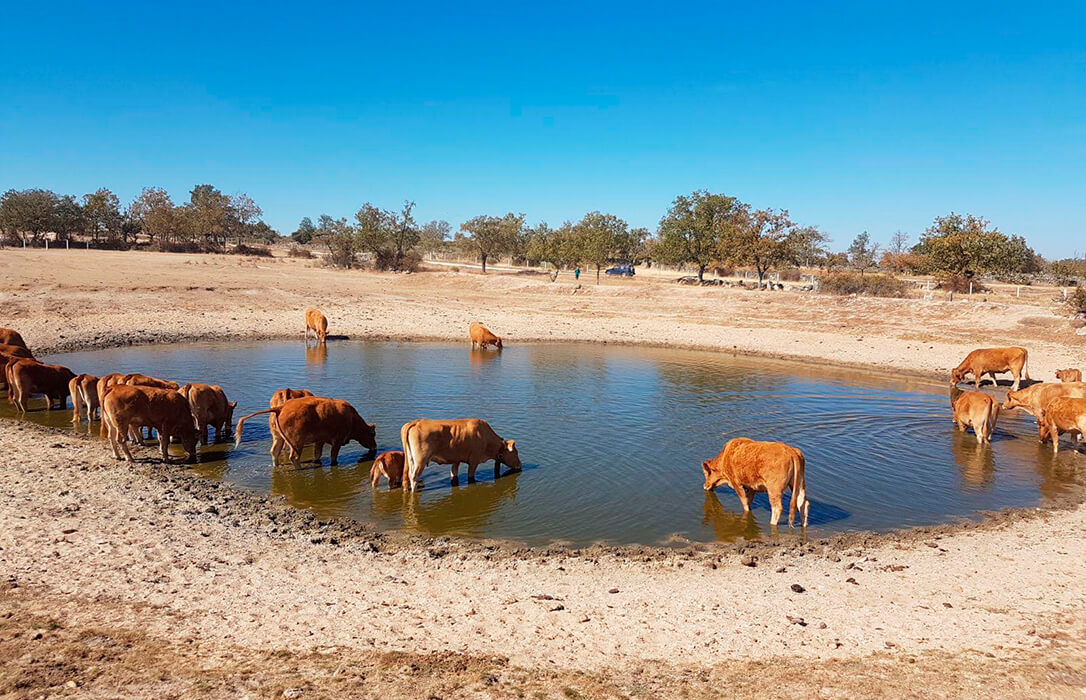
(992, 361)
(1064, 415)
(976, 410)
(389, 465)
(126, 409)
(105, 383)
(316, 322)
(84, 391)
(480, 335)
(314, 420)
(145, 380)
(469, 440)
(29, 377)
(9, 336)
(210, 408)
(279, 398)
(1033, 399)
(1069, 375)
(749, 466)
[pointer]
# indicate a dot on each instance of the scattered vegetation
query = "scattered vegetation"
(296, 251)
(1076, 301)
(960, 284)
(848, 283)
(257, 250)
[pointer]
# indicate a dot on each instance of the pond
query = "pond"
(611, 437)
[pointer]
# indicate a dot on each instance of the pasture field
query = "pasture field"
(149, 580)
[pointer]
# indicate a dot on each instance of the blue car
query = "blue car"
(621, 270)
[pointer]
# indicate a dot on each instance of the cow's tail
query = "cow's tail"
(408, 454)
(1025, 365)
(275, 420)
(77, 399)
(993, 417)
(799, 489)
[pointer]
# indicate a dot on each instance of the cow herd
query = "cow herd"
(128, 404)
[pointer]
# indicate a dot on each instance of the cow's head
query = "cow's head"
(1015, 400)
(366, 435)
(957, 375)
(712, 479)
(508, 454)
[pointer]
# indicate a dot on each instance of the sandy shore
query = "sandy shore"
(142, 580)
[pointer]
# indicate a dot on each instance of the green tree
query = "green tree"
(433, 236)
(598, 235)
(242, 215)
(695, 229)
(210, 214)
(491, 236)
(102, 215)
(342, 241)
(811, 250)
(862, 254)
(958, 244)
(766, 239)
(305, 232)
(29, 214)
(157, 216)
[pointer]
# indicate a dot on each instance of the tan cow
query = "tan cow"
(749, 466)
(314, 420)
(126, 409)
(1064, 415)
(1034, 399)
(316, 322)
(468, 440)
(153, 382)
(84, 391)
(992, 361)
(280, 397)
(976, 410)
(389, 465)
(480, 335)
(29, 377)
(1064, 375)
(210, 408)
(9, 336)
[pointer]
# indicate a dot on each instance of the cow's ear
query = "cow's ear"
(233, 404)
(705, 466)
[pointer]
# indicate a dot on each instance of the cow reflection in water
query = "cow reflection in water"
(728, 525)
(326, 491)
(462, 510)
(976, 461)
(316, 354)
(479, 359)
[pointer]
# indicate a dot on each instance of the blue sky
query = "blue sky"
(853, 116)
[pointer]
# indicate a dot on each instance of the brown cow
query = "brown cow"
(749, 466)
(153, 382)
(1034, 399)
(992, 361)
(10, 353)
(15, 351)
(316, 322)
(976, 410)
(1064, 415)
(126, 409)
(389, 465)
(279, 398)
(84, 391)
(9, 336)
(316, 420)
(468, 440)
(1064, 375)
(210, 407)
(480, 335)
(29, 377)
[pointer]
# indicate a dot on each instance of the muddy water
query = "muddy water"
(611, 438)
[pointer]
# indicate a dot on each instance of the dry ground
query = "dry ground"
(145, 581)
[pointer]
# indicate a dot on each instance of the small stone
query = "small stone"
(748, 560)
(797, 621)
(796, 588)
(613, 590)
(556, 608)
(947, 605)
(781, 570)
(852, 581)
(821, 625)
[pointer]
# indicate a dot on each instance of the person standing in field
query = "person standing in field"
(577, 273)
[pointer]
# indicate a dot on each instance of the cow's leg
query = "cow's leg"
(277, 447)
(335, 454)
(112, 438)
(1017, 381)
(164, 445)
(776, 508)
(318, 451)
(122, 433)
(204, 433)
(472, 466)
(454, 473)
(744, 497)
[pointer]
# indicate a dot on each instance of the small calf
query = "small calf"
(1069, 375)
(389, 465)
(748, 466)
(976, 410)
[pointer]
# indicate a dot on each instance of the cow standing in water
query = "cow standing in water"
(748, 466)
(480, 335)
(316, 322)
(469, 441)
(976, 410)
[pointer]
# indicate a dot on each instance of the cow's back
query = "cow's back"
(750, 463)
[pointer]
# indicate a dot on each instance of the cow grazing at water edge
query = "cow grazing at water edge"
(315, 420)
(992, 361)
(30, 377)
(480, 335)
(316, 322)
(749, 466)
(1034, 399)
(976, 410)
(1069, 375)
(389, 465)
(210, 408)
(280, 397)
(469, 441)
(1063, 415)
(9, 336)
(126, 409)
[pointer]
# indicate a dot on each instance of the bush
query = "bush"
(185, 247)
(104, 244)
(790, 275)
(959, 284)
(299, 252)
(846, 283)
(258, 250)
(1076, 300)
(408, 262)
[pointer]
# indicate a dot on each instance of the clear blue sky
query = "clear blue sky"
(853, 116)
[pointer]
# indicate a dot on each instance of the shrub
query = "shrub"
(258, 250)
(1076, 300)
(386, 260)
(299, 252)
(185, 247)
(791, 274)
(846, 283)
(959, 284)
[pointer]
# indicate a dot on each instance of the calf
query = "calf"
(468, 440)
(749, 466)
(316, 322)
(992, 361)
(29, 377)
(1034, 399)
(210, 408)
(1064, 375)
(11, 337)
(480, 335)
(1063, 415)
(389, 465)
(127, 408)
(976, 410)
(316, 420)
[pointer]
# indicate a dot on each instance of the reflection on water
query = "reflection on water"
(612, 438)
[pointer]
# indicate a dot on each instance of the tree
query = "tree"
(862, 254)
(598, 235)
(305, 232)
(899, 243)
(765, 239)
(695, 228)
(811, 250)
(491, 236)
(102, 214)
(68, 217)
(156, 214)
(341, 239)
(32, 212)
(210, 213)
(242, 214)
(403, 234)
(966, 245)
(432, 236)
(630, 247)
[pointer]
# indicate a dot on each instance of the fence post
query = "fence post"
(970, 287)
(67, 244)
(1065, 293)
(1018, 292)
(47, 244)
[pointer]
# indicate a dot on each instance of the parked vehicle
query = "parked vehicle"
(621, 270)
